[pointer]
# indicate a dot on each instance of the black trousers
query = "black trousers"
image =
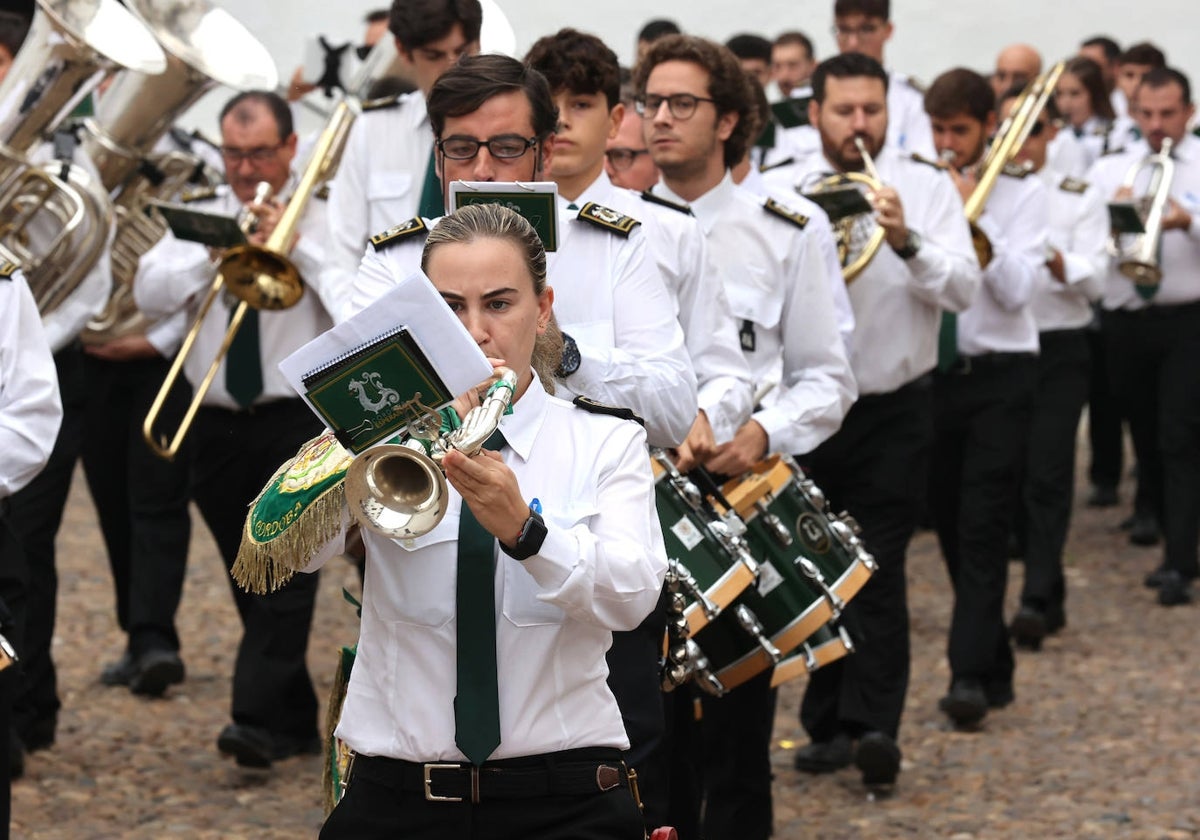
(142, 500)
(1153, 358)
(1049, 475)
(735, 734)
(1104, 416)
(14, 578)
(234, 454)
(981, 419)
(35, 514)
(876, 467)
(633, 678)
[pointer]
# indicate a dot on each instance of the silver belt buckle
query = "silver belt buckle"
(432, 797)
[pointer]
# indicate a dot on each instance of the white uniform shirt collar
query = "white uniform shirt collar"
(521, 428)
(707, 208)
(597, 191)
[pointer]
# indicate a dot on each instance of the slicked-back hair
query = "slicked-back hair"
(1091, 77)
(658, 28)
(475, 79)
(1145, 54)
(577, 62)
(270, 100)
(797, 38)
(494, 221)
(846, 66)
(728, 86)
(13, 29)
(1110, 48)
(1161, 77)
(750, 46)
(960, 91)
(870, 8)
(416, 23)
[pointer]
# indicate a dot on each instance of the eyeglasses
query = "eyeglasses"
(622, 158)
(681, 105)
(866, 30)
(505, 146)
(1038, 128)
(259, 155)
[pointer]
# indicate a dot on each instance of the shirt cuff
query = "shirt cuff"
(551, 567)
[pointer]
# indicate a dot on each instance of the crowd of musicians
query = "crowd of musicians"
(699, 304)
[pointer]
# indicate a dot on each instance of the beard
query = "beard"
(845, 156)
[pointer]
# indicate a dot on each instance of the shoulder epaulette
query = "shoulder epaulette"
(1073, 185)
(767, 167)
(1117, 151)
(601, 216)
(322, 192)
(592, 407)
(922, 159)
(382, 103)
(1016, 170)
(7, 269)
(798, 219)
(401, 231)
(199, 194)
(657, 199)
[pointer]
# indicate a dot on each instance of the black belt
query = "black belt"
(568, 773)
(987, 361)
(1159, 310)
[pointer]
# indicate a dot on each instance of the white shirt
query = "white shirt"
(609, 298)
(898, 302)
(1079, 231)
(775, 277)
(175, 275)
(378, 182)
(1068, 154)
(599, 569)
(30, 408)
(1000, 320)
(725, 389)
(1180, 249)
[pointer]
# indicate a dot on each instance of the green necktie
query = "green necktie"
(947, 342)
(477, 706)
(432, 206)
(243, 362)
(572, 206)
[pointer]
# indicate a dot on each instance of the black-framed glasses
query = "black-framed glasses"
(260, 155)
(681, 105)
(506, 146)
(866, 30)
(622, 157)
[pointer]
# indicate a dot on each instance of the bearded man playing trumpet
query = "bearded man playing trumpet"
(875, 465)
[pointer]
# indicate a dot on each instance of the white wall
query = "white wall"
(931, 35)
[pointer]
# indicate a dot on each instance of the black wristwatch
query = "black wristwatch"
(570, 357)
(911, 247)
(533, 534)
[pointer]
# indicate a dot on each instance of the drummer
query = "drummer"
(456, 728)
(696, 103)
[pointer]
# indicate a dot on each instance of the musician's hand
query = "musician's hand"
(490, 488)
(748, 447)
(298, 86)
(463, 403)
(123, 349)
(1123, 194)
(267, 214)
(1057, 266)
(966, 182)
(889, 213)
(1176, 218)
(699, 446)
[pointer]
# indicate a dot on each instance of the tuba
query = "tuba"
(56, 217)
(259, 276)
(855, 230)
(398, 489)
(205, 46)
(1137, 225)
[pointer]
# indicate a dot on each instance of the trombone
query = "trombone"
(259, 276)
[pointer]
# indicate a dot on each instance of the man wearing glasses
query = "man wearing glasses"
(495, 120)
(697, 110)
(251, 420)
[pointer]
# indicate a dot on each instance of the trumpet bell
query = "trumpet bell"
(1141, 273)
(396, 491)
(262, 278)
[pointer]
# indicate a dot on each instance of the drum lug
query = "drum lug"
(779, 531)
(753, 626)
(810, 571)
(810, 658)
(735, 545)
(814, 495)
(705, 678)
(689, 585)
(850, 522)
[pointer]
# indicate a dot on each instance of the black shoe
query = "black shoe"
(999, 695)
(154, 671)
(1173, 591)
(1144, 531)
(1056, 619)
(966, 703)
(1155, 579)
(253, 746)
(1103, 495)
(38, 734)
(1028, 627)
(825, 756)
(120, 672)
(878, 758)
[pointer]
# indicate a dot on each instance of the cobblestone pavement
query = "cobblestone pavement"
(1100, 743)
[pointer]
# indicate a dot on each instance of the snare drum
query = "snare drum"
(827, 645)
(714, 564)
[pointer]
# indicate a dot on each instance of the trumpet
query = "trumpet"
(855, 230)
(259, 276)
(398, 490)
(1142, 221)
